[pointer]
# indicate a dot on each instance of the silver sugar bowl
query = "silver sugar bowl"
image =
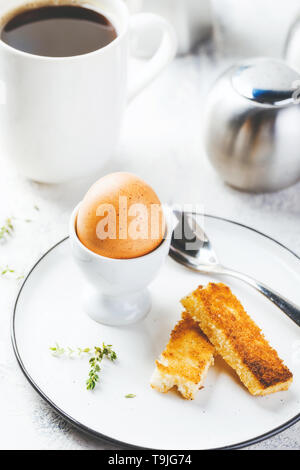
(252, 125)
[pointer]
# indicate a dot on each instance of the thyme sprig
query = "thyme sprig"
(57, 350)
(4, 271)
(6, 229)
(99, 353)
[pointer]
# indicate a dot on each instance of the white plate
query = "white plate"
(224, 414)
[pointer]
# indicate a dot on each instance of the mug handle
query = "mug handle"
(139, 23)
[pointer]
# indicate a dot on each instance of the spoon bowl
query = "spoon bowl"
(191, 247)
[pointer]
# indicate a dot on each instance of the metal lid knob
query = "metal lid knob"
(266, 81)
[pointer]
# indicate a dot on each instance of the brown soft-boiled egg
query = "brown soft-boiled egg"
(120, 217)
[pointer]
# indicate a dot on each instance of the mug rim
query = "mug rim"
(74, 236)
(121, 5)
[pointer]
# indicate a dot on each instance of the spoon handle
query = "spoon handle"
(289, 308)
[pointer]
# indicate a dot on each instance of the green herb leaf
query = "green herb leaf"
(7, 270)
(130, 395)
(57, 350)
(6, 229)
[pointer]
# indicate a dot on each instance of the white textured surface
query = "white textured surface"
(161, 142)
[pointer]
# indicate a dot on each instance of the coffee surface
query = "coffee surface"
(58, 31)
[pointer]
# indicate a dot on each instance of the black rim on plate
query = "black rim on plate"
(97, 434)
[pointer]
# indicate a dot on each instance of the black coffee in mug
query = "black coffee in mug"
(58, 30)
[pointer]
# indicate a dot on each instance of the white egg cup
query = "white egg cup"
(116, 290)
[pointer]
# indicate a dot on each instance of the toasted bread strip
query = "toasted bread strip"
(185, 361)
(238, 339)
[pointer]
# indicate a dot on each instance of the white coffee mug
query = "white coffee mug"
(60, 117)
